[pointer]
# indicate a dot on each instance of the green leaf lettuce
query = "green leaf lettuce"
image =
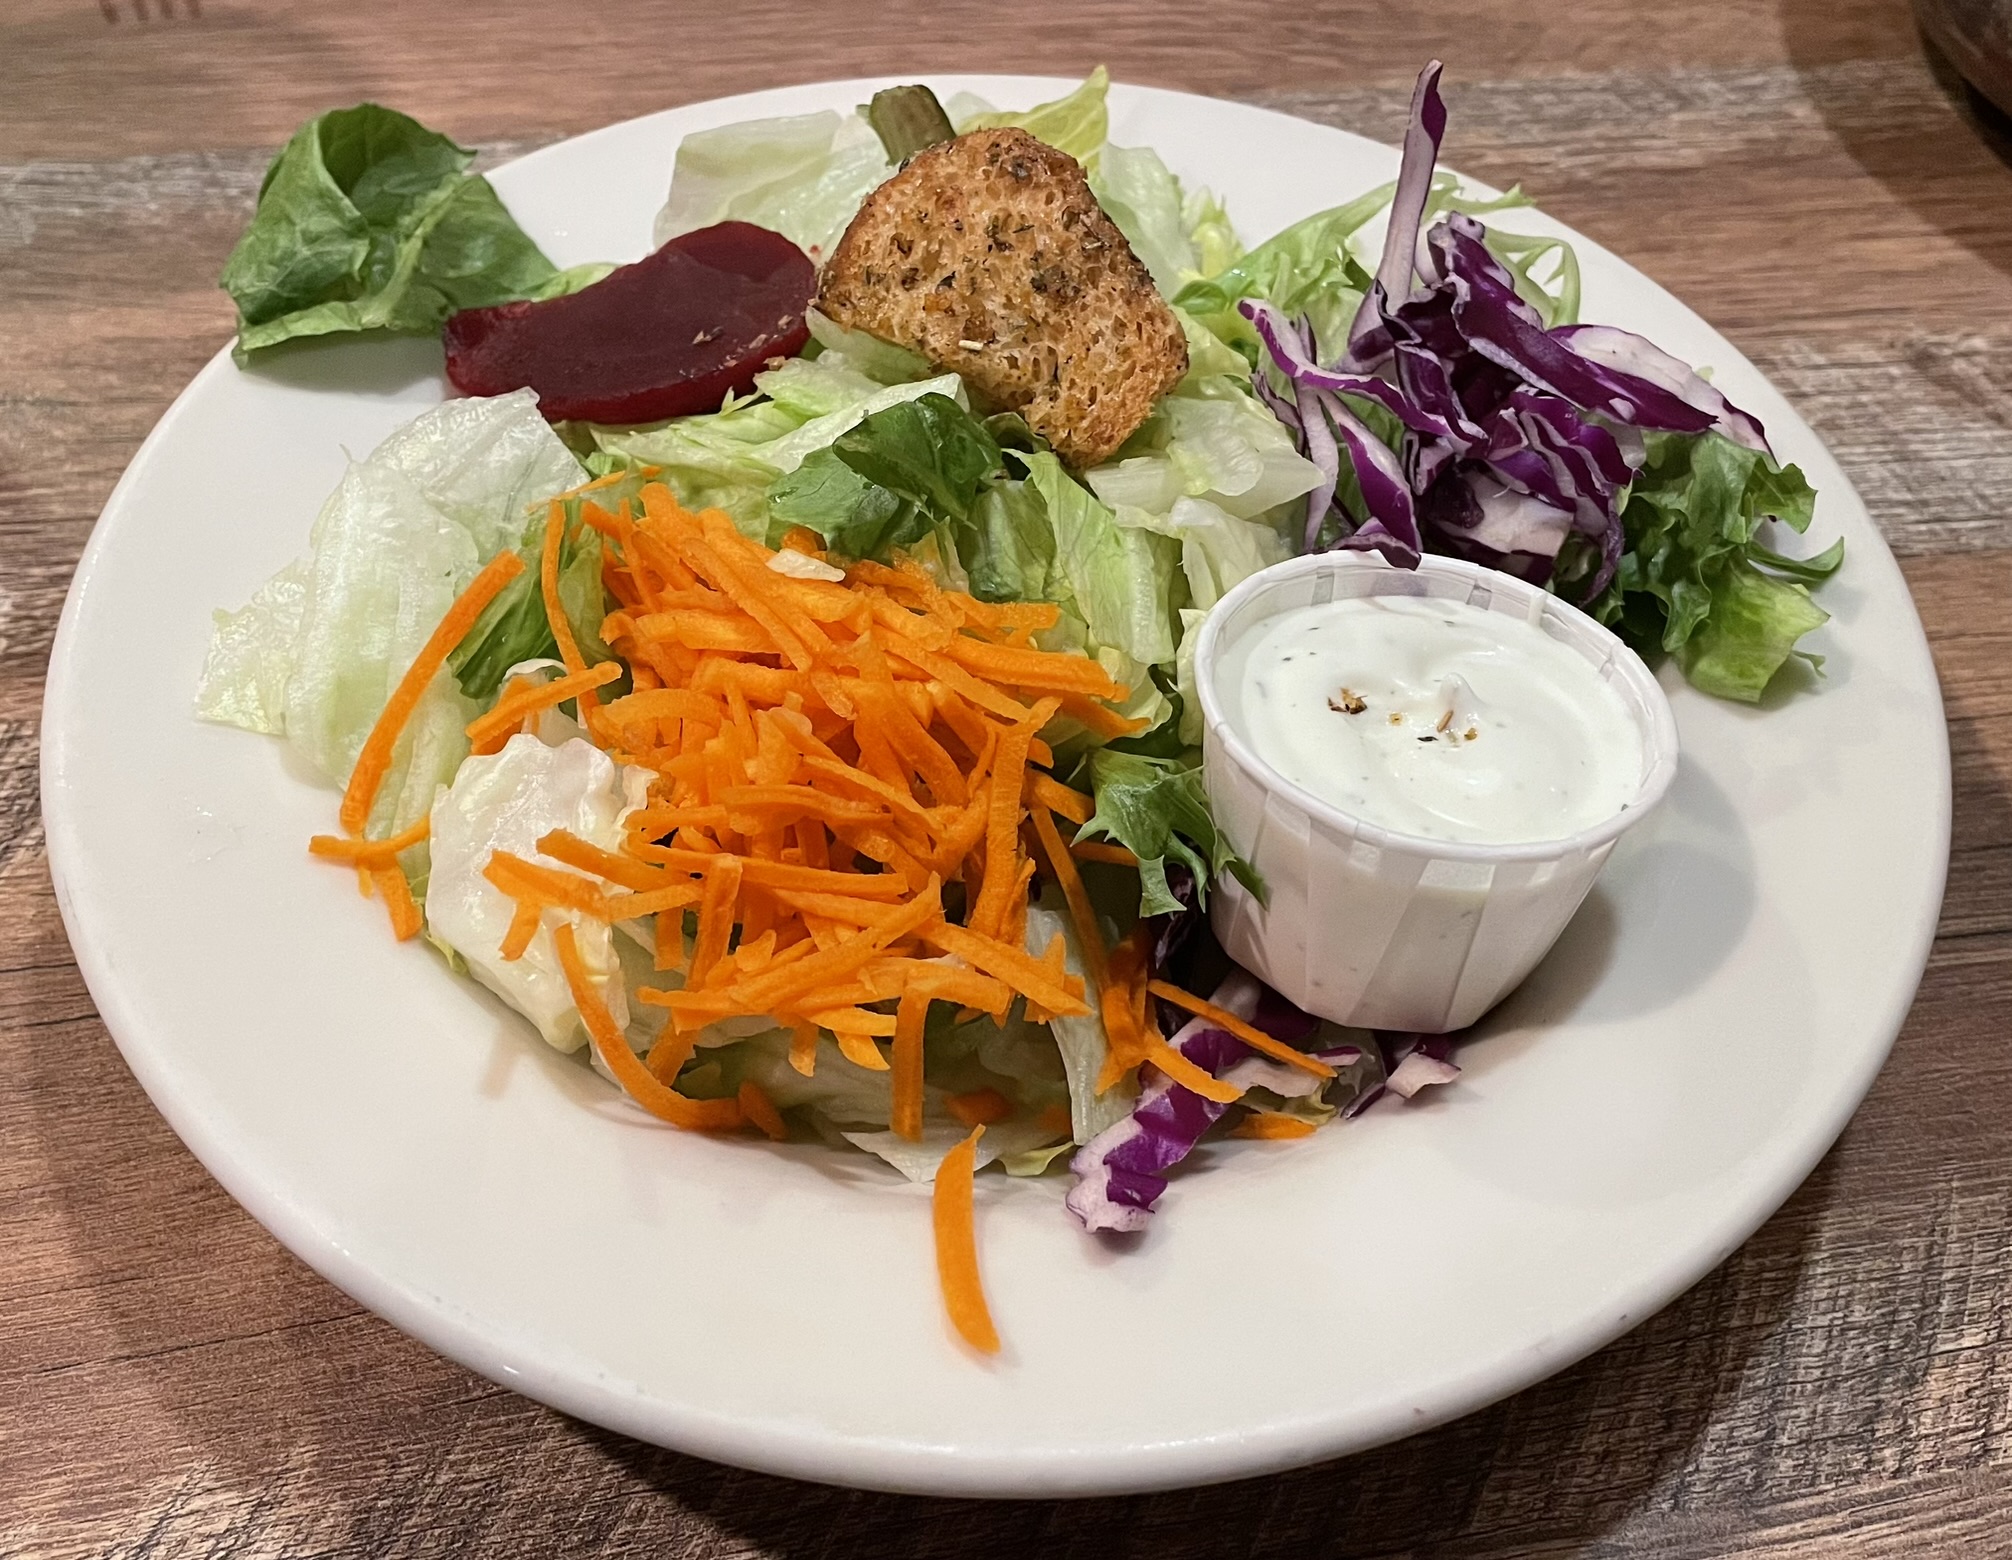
(1696, 582)
(367, 220)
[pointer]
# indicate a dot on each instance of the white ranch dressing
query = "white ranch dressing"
(1437, 718)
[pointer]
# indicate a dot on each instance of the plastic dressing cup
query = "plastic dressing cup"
(1365, 925)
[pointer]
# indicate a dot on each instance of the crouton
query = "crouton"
(990, 257)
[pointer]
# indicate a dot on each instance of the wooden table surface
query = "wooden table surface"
(173, 1383)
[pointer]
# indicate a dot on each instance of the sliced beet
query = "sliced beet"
(671, 334)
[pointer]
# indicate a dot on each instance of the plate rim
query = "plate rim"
(882, 1462)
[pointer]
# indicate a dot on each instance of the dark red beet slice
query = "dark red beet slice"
(671, 334)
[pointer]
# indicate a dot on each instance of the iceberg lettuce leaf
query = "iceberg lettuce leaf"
(1076, 123)
(1079, 1037)
(1309, 268)
(1179, 234)
(1118, 579)
(803, 176)
(509, 801)
(1140, 193)
(320, 649)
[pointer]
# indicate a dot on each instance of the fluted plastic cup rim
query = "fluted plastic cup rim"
(1659, 733)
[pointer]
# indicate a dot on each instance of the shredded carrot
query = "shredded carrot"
(1097, 850)
(405, 917)
(515, 707)
(760, 1109)
(612, 1046)
(860, 1050)
(1089, 936)
(1272, 1124)
(523, 880)
(371, 855)
(373, 763)
(555, 610)
(668, 1056)
(980, 1108)
(1049, 987)
(905, 1118)
(723, 884)
(1046, 791)
(1189, 1076)
(957, 1247)
(1249, 1033)
(823, 760)
(523, 927)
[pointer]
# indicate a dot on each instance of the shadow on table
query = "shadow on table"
(1925, 163)
(1560, 1464)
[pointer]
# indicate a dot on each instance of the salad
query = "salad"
(773, 676)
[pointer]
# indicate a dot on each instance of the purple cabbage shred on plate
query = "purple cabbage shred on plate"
(1121, 1173)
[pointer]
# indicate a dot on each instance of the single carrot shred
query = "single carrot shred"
(1089, 936)
(612, 1047)
(905, 1118)
(373, 763)
(370, 855)
(668, 1056)
(495, 741)
(803, 1047)
(979, 1108)
(405, 917)
(1189, 1076)
(623, 870)
(1099, 850)
(1046, 791)
(723, 884)
(1272, 1124)
(957, 1247)
(515, 707)
(1100, 719)
(521, 879)
(523, 927)
(860, 1050)
(1245, 1031)
(760, 1109)
(555, 610)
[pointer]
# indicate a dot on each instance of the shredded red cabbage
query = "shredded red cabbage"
(1121, 1172)
(1511, 437)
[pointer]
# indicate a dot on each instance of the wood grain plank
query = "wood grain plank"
(173, 1383)
(257, 69)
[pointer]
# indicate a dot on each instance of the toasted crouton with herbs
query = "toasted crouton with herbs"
(990, 257)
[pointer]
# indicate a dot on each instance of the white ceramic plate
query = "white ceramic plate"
(1657, 1089)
